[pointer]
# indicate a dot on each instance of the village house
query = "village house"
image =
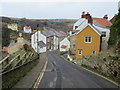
(38, 44)
(64, 45)
(88, 41)
(72, 32)
(27, 29)
(13, 27)
(51, 39)
(101, 24)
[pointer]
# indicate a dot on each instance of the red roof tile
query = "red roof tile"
(5, 49)
(113, 19)
(62, 32)
(68, 38)
(63, 46)
(74, 30)
(102, 22)
(27, 27)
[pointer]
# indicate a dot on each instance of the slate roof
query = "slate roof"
(82, 23)
(47, 33)
(41, 44)
(51, 32)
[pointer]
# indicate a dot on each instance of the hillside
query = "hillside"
(58, 24)
(7, 34)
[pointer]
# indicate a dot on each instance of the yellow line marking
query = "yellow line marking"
(117, 84)
(40, 77)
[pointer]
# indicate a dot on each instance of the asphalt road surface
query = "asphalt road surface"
(62, 74)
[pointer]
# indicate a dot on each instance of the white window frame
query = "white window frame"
(85, 39)
(79, 52)
(105, 33)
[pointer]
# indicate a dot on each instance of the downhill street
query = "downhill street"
(62, 74)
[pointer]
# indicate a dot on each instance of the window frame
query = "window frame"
(87, 39)
(93, 51)
(105, 34)
(79, 52)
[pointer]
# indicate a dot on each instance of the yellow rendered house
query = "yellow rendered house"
(13, 26)
(88, 41)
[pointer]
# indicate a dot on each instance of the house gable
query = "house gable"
(93, 28)
(87, 47)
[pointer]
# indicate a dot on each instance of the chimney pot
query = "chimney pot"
(106, 16)
(83, 13)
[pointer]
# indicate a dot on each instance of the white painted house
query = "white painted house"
(27, 29)
(38, 42)
(64, 45)
(45, 40)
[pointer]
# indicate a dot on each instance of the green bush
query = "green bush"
(11, 78)
(115, 31)
(61, 53)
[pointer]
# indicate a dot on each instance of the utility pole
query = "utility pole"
(38, 45)
(38, 48)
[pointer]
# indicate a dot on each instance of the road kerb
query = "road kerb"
(40, 77)
(113, 82)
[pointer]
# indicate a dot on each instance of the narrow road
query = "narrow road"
(62, 74)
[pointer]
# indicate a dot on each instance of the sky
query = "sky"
(52, 9)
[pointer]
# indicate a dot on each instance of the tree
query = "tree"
(5, 36)
(114, 39)
(26, 47)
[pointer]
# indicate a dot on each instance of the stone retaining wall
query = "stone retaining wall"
(104, 64)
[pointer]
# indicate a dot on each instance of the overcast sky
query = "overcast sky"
(57, 10)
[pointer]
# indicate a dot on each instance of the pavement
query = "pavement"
(28, 80)
(61, 74)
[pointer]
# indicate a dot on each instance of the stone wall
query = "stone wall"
(73, 44)
(104, 64)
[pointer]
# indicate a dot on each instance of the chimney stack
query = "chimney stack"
(105, 17)
(87, 16)
(83, 15)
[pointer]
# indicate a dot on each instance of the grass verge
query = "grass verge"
(11, 78)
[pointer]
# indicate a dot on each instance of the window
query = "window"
(76, 27)
(88, 39)
(103, 34)
(48, 39)
(94, 52)
(73, 45)
(73, 32)
(79, 51)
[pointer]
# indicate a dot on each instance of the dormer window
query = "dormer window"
(76, 27)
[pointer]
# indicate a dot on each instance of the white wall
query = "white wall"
(55, 42)
(65, 42)
(41, 37)
(107, 30)
(27, 30)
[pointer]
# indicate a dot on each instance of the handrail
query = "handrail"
(4, 59)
